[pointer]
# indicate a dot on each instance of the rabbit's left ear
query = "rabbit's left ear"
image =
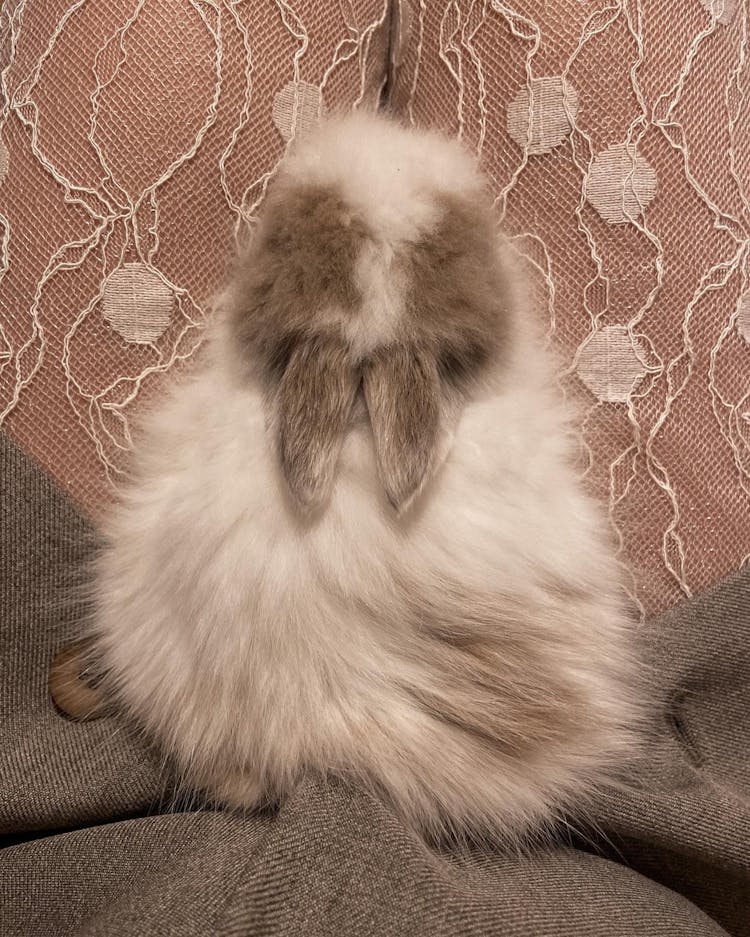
(404, 397)
(314, 403)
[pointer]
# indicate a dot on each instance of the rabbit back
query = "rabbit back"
(470, 662)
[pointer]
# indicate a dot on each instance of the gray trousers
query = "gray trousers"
(90, 848)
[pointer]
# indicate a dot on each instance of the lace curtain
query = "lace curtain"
(137, 138)
(617, 138)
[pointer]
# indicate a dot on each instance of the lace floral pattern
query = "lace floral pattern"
(137, 139)
(616, 134)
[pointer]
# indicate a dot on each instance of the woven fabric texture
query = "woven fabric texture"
(137, 139)
(616, 134)
(669, 858)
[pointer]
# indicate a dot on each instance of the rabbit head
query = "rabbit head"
(370, 280)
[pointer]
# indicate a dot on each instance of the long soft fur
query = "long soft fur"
(355, 543)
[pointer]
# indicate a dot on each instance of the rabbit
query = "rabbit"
(354, 544)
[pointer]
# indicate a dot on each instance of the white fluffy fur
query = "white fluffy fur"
(242, 637)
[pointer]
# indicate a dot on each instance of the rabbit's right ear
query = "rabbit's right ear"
(404, 398)
(314, 401)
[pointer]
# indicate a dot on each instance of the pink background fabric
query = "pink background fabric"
(137, 139)
(617, 139)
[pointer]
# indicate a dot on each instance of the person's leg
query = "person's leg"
(333, 862)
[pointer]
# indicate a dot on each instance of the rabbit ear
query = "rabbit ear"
(314, 403)
(403, 394)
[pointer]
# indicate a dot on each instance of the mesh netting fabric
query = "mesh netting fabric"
(137, 138)
(617, 138)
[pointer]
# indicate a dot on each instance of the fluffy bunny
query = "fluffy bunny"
(354, 543)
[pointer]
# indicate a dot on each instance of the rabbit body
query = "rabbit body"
(451, 635)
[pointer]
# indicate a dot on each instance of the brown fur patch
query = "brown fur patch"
(294, 293)
(315, 400)
(455, 323)
(494, 673)
(457, 303)
(300, 270)
(402, 392)
(301, 265)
